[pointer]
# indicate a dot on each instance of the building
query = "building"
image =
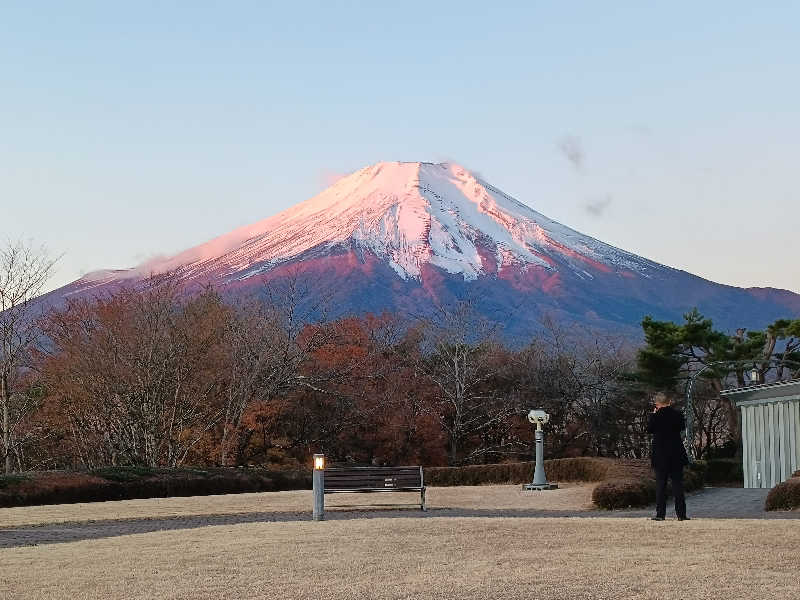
(770, 420)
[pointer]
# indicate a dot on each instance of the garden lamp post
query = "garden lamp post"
(318, 487)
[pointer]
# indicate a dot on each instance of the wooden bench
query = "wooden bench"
(375, 479)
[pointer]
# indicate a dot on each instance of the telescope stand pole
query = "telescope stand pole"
(539, 478)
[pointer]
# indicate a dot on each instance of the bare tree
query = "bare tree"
(611, 412)
(582, 378)
(24, 271)
(269, 341)
(136, 373)
(710, 419)
(460, 357)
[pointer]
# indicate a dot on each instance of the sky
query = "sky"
(134, 130)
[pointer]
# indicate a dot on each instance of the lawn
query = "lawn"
(487, 497)
(439, 558)
(448, 553)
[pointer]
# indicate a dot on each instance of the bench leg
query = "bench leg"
(422, 500)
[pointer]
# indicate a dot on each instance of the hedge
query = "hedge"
(125, 483)
(724, 470)
(785, 495)
(559, 469)
(623, 483)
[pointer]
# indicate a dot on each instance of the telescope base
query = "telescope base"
(539, 486)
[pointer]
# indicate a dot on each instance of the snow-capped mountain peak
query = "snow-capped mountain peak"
(409, 214)
(411, 237)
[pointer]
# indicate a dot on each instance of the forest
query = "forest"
(160, 375)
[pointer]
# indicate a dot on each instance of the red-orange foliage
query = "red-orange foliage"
(159, 377)
(135, 377)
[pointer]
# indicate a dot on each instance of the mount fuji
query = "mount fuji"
(407, 237)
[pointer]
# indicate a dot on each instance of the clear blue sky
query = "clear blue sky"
(134, 129)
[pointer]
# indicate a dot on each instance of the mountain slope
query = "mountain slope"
(407, 236)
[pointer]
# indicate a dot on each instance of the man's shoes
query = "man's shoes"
(684, 519)
(656, 518)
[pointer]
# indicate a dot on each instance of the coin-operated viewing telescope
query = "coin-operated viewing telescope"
(539, 418)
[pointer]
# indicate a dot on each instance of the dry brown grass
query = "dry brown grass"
(441, 558)
(569, 497)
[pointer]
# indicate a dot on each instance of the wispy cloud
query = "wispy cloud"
(147, 261)
(452, 161)
(597, 208)
(327, 178)
(571, 147)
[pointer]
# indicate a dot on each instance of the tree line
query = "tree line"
(158, 375)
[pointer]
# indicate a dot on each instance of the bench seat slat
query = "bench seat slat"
(370, 486)
(373, 485)
(373, 469)
(375, 479)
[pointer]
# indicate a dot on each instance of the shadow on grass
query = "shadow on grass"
(714, 504)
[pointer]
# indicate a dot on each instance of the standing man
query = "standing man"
(668, 455)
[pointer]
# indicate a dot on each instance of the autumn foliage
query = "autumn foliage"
(158, 376)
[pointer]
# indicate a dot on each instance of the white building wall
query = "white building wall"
(770, 441)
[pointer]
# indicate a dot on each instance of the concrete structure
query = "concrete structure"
(770, 419)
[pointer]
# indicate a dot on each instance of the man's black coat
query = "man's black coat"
(668, 452)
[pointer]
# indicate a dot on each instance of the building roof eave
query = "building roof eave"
(764, 392)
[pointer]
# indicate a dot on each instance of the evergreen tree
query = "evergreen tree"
(674, 352)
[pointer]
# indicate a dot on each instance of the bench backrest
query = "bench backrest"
(373, 479)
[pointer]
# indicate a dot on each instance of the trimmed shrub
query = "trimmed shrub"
(638, 489)
(124, 473)
(624, 493)
(478, 474)
(623, 483)
(559, 469)
(629, 469)
(9, 480)
(694, 478)
(785, 495)
(724, 470)
(579, 469)
(125, 483)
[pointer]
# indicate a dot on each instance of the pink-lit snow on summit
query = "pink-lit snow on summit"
(409, 214)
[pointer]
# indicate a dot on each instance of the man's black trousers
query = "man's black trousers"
(676, 475)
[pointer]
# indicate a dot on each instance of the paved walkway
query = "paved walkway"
(716, 503)
(724, 503)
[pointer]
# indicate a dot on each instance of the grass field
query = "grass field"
(441, 557)
(487, 497)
